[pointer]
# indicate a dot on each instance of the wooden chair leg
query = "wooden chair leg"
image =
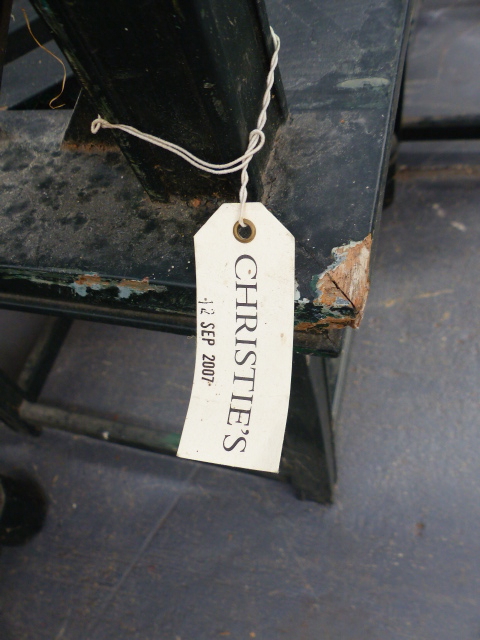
(308, 458)
(11, 397)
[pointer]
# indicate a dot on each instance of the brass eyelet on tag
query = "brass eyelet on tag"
(237, 227)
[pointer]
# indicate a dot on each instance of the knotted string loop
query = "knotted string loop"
(256, 139)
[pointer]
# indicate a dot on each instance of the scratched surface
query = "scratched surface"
(144, 547)
(67, 215)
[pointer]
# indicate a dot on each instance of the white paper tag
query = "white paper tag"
(245, 301)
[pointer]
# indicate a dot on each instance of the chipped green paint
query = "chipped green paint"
(83, 283)
(93, 288)
(341, 290)
(125, 288)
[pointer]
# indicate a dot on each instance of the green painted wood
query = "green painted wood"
(192, 73)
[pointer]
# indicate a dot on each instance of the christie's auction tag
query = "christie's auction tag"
(241, 388)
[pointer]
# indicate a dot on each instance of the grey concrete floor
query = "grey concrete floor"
(141, 546)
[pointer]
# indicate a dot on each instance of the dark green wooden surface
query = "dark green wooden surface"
(191, 72)
(67, 214)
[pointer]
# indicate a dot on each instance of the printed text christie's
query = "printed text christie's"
(245, 355)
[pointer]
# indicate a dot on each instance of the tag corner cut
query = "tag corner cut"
(264, 467)
(181, 453)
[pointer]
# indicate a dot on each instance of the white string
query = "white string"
(256, 139)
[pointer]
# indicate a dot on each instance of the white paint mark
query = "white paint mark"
(124, 292)
(362, 83)
(297, 292)
(80, 289)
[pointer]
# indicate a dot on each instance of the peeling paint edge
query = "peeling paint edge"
(341, 290)
(83, 283)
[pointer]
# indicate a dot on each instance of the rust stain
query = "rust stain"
(342, 289)
(125, 287)
(321, 325)
(92, 280)
(90, 146)
(137, 285)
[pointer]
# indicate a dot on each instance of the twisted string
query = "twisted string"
(256, 139)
